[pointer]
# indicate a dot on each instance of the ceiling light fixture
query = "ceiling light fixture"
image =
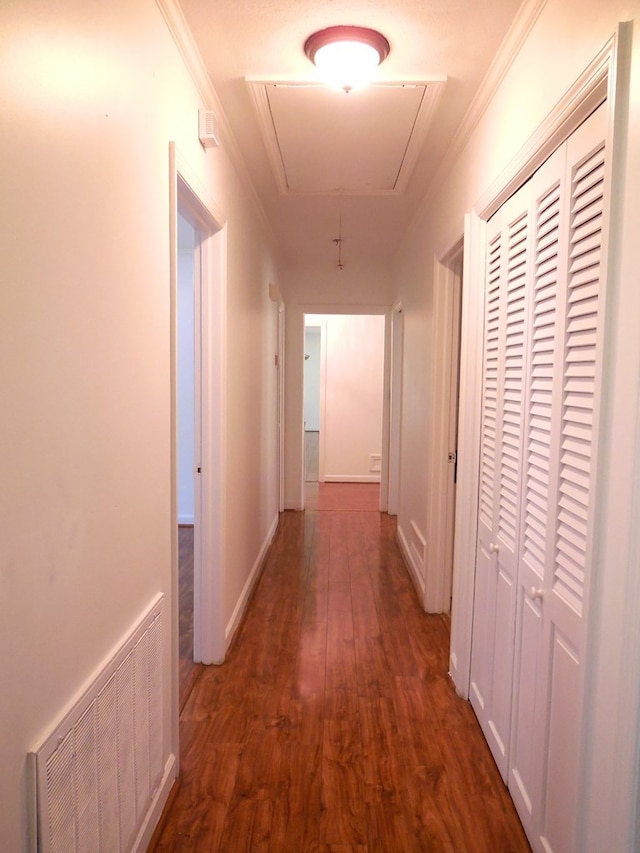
(347, 57)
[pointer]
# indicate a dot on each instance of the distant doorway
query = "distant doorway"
(312, 378)
(344, 380)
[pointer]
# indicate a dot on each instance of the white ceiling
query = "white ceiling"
(317, 156)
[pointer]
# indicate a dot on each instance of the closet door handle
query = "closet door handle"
(536, 594)
(494, 548)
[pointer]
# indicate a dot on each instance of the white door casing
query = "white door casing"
(197, 206)
(395, 406)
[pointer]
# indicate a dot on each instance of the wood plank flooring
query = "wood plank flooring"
(333, 726)
(346, 497)
(188, 670)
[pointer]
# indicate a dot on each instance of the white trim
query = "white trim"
(281, 395)
(412, 561)
(523, 23)
(443, 360)
(394, 393)
(464, 547)
(610, 791)
(186, 520)
(518, 33)
(322, 437)
(188, 50)
(187, 192)
(351, 478)
(587, 93)
(156, 808)
(254, 575)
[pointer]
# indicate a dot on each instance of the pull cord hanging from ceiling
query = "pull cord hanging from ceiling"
(338, 242)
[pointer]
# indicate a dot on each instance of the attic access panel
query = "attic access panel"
(321, 141)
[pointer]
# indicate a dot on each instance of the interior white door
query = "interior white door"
(559, 463)
(541, 415)
(543, 339)
(500, 473)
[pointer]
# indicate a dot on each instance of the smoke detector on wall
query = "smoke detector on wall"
(208, 129)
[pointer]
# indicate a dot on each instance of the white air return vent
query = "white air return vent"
(208, 129)
(98, 770)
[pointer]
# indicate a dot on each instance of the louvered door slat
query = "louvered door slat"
(517, 243)
(580, 355)
(490, 383)
(538, 440)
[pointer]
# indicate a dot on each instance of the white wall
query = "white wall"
(563, 40)
(186, 377)
(351, 377)
(91, 99)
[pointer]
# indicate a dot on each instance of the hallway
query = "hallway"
(333, 725)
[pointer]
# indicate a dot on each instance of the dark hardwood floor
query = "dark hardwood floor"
(333, 726)
(189, 670)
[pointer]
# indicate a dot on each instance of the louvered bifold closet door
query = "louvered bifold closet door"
(562, 364)
(565, 584)
(501, 448)
(541, 416)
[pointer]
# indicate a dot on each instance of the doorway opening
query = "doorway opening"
(445, 383)
(188, 438)
(344, 369)
(198, 289)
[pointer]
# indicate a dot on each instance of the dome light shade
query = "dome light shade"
(347, 57)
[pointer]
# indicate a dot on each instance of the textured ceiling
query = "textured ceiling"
(315, 155)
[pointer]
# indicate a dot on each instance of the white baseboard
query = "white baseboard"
(186, 519)
(412, 562)
(157, 805)
(352, 478)
(236, 616)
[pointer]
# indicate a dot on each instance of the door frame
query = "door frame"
(443, 380)
(188, 195)
(396, 355)
(294, 425)
(280, 366)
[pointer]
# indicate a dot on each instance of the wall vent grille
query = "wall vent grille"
(97, 771)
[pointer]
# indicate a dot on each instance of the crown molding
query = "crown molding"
(517, 34)
(192, 58)
(586, 94)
